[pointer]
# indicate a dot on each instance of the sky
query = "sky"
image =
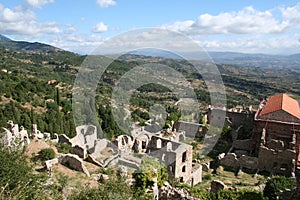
(256, 26)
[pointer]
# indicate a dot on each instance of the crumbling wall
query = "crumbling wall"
(183, 164)
(190, 129)
(196, 175)
(278, 162)
(241, 119)
(176, 156)
(247, 145)
(231, 160)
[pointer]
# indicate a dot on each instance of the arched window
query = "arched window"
(158, 143)
(184, 156)
(183, 169)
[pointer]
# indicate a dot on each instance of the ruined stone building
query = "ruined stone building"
(274, 146)
(240, 119)
(13, 136)
(191, 129)
(276, 134)
(177, 157)
(167, 148)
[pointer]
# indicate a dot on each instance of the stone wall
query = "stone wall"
(190, 129)
(247, 145)
(231, 160)
(234, 119)
(278, 162)
(276, 131)
(176, 156)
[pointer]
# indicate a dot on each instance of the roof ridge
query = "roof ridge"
(282, 102)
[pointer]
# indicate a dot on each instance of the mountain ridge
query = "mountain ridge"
(259, 60)
(36, 47)
(4, 38)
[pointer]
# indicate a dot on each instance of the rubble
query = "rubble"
(167, 192)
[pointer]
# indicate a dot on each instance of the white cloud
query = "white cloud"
(39, 3)
(19, 13)
(245, 21)
(100, 28)
(22, 21)
(279, 44)
(79, 43)
(106, 3)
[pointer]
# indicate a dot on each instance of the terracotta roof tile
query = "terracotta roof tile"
(282, 102)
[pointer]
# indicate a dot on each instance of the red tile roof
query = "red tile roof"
(282, 102)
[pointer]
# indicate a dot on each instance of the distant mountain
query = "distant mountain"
(27, 46)
(234, 58)
(257, 60)
(3, 38)
(295, 56)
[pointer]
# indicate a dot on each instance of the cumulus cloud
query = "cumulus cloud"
(79, 43)
(39, 3)
(100, 28)
(280, 44)
(106, 3)
(22, 21)
(245, 21)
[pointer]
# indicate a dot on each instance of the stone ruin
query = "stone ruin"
(177, 156)
(37, 134)
(273, 156)
(167, 192)
(89, 147)
(15, 137)
(69, 160)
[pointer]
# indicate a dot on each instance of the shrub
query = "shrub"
(64, 148)
(252, 195)
(146, 173)
(113, 189)
(277, 183)
(46, 154)
(18, 181)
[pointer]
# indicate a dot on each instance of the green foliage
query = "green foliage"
(63, 181)
(153, 87)
(138, 115)
(149, 170)
(112, 189)
(227, 195)
(226, 133)
(18, 181)
(251, 195)
(277, 183)
(174, 115)
(46, 154)
(64, 148)
(108, 122)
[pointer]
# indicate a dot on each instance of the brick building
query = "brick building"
(277, 134)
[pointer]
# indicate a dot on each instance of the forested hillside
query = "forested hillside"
(37, 88)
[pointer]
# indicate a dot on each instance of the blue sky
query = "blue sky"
(269, 26)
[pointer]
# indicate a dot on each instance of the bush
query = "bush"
(145, 174)
(252, 195)
(112, 189)
(18, 181)
(46, 154)
(277, 183)
(64, 148)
